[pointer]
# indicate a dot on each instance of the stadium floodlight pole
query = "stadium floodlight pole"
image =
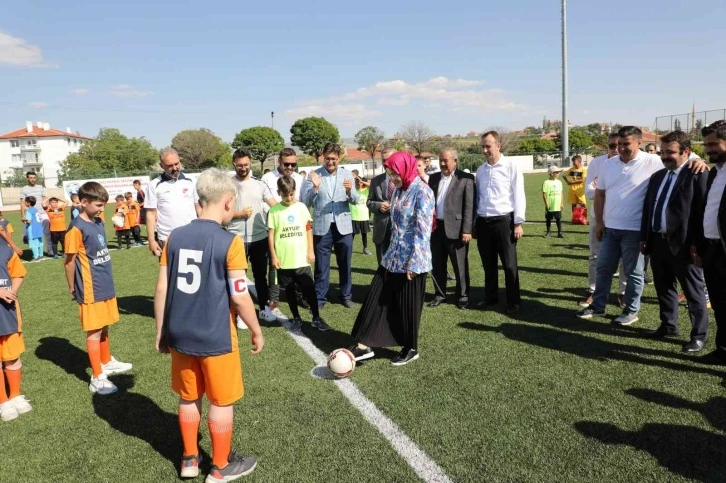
(565, 125)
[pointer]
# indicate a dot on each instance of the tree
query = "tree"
(507, 138)
(111, 153)
(311, 134)
(200, 149)
(677, 125)
(699, 125)
(579, 140)
(417, 135)
(370, 139)
(261, 141)
(537, 147)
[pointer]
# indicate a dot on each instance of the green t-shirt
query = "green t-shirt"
(291, 238)
(359, 211)
(552, 188)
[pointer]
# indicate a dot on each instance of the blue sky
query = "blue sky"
(154, 68)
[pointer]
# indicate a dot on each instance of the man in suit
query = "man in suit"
(454, 191)
(668, 229)
(329, 191)
(710, 249)
(379, 203)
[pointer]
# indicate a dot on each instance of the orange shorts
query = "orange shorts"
(99, 314)
(11, 346)
(220, 377)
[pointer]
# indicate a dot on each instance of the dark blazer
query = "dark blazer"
(460, 209)
(701, 240)
(377, 194)
(681, 217)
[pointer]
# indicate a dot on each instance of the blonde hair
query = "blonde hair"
(213, 184)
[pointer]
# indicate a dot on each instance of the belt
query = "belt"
(491, 219)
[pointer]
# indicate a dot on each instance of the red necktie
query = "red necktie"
(391, 187)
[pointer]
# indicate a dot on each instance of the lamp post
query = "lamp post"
(565, 124)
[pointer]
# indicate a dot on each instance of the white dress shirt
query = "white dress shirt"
(713, 202)
(270, 179)
(593, 168)
(500, 188)
(441, 196)
(674, 177)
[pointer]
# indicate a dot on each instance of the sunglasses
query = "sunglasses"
(289, 165)
(613, 146)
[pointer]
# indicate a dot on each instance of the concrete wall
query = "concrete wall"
(11, 197)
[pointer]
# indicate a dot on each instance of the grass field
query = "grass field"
(543, 397)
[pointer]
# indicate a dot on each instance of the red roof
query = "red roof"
(39, 132)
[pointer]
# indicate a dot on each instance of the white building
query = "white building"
(38, 148)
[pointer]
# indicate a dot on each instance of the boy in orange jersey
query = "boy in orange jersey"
(12, 275)
(195, 322)
(123, 228)
(55, 209)
(90, 280)
(133, 215)
(5, 225)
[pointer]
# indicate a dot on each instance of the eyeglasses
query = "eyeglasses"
(612, 146)
(289, 165)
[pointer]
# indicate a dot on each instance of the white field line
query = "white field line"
(419, 461)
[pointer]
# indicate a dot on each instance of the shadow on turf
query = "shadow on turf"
(565, 256)
(136, 305)
(64, 355)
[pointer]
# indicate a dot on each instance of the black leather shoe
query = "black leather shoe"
(462, 305)
(436, 302)
(714, 358)
(485, 305)
(661, 332)
(694, 345)
(513, 309)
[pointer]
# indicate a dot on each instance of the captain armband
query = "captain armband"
(237, 286)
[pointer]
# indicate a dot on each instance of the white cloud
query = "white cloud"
(346, 114)
(16, 51)
(80, 92)
(126, 90)
(121, 86)
(37, 105)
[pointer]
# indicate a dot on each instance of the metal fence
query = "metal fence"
(691, 122)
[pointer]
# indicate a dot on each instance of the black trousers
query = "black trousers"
(714, 269)
(382, 247)
(299, 279)
(136, 232)
(258, 254)
(126, 234)
(495, 240)
(669, 269)
(444, 249)
(553, 215)
(55, 238)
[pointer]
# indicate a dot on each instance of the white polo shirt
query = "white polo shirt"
(625, 186)
(174, 202)
(270, 179)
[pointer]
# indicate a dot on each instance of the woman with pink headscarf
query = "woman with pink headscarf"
(391, 313)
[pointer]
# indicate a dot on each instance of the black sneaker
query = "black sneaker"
(560, 235)
(405, 357)
(361, 354)
(589, 312)
(238, 467)
(303, 303)
(320, 324)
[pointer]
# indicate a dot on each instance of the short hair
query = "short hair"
(493, 134)
(718, 128)
(649, 145)
(387, 150)
(626, 131)
(137, 181)
(128, 193)
(31, 200)
(419, 157)
(286, 185)
(31, 173)
(427, 158)
(301, 173)
(286, 153)
(677, 137)
(613, 135)
(93, 191)
(166, 152)
(213, 184)
(51, 200)
(453, 152)
(119, 197)
(74, 194)
(241, 153)
(355, 171)
(576, 157)
(332, 148)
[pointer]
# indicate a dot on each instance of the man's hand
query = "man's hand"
(385, 207)
(315, 179)
(642, 247)
(594, 183)
(155, 248)
(348, 185)
(466, 237)
(698, 166)
(697, 260)
(276, 262)
(311, 257)
(18, 252)
(246, 212)
(599, 231)
(8, 295)
(518, 231)
(258, 341)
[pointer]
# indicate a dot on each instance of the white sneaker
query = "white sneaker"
(21, 404)
(116, 367)
(101, 385)
(8, 411)
(240, 324)
(279, 315)
(267, 315)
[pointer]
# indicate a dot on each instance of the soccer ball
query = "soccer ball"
(341, 363)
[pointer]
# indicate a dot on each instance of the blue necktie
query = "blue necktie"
(658, 221)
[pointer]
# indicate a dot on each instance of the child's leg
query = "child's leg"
(105, 347)
(548, 221)
(36, 246)
(190, 415)
(307, 286)
(118, 240)
(220, 421)
(364, 239)
(558, 221)
(12, 374)
(292, 299)
(3, 394)
(127, 234)
(136, 231)
(93, 345)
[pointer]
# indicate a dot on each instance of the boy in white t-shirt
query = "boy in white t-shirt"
(291, 249)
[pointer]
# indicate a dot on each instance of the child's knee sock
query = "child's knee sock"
(94, 356)
(13, 377)
(189, 419)
(105, 348)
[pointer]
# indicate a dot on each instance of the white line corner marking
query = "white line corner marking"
(419, 461)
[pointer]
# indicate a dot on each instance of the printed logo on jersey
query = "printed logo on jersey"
(291, 219)
(101, 240)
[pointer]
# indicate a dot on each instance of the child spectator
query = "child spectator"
(121, 222)
(359, 212)
(90, 281)
(55, 209)
(133, 215)
(34, 228)
(75, 206)
(198, 330)
(552, 196)
(140, 198)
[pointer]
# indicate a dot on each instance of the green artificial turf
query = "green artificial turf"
(540, 397)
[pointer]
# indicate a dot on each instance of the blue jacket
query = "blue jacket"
(330, 203)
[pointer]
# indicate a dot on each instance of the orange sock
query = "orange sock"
(189, 419)
(13, 377)
(221, 433)
(105, 349)
(94, 355)
(3, 394)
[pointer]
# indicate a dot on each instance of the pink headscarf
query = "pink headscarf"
(405, 165)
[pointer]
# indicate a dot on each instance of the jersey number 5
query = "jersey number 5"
(187, 260)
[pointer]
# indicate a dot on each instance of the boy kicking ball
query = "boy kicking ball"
(12, 275)
(90, 280)
(201, 287)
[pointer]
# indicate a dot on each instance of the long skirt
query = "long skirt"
(391, 313)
